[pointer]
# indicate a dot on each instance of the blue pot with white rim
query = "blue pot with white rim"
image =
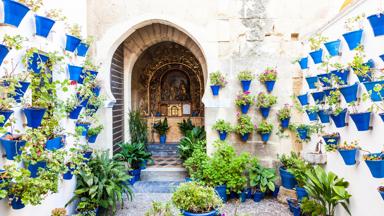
(82, 49)
(318, 97)
(246, 84)
(12, 147)
(376, 166)
(323, 116)
(341, 76)
(36, 62)
(14, 12)
(215, 89)
(20, 91)
(339, 119)
(377, 24)
(303, 62)
(303, 99)
(361, 120)
(353, 38)
(43, 25)
(375, 96)
(6, 114)
(34, 116)
(71, 43)
(3, 52)
(333, 47)
(325, 79)
(317, 56)
(350, 92)
(311, 81)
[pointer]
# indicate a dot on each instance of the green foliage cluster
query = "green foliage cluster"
(244, 125)
(161, 127)
(217, 78)
(194, 139)
(138, 128)
(185, 126)
(265, 100)
(134, 154)
(222, 126)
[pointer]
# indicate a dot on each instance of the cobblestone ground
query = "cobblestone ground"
(267, 207)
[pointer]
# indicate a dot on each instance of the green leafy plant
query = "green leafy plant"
(358, 64)
(265, 100)
(217, 78)
(311, 129)
(284, 113)
(262, 178)
(312, 207)
(312, 109)
(133, 154)
(196, 163)
(299, 168)
(264, 127)
(14, 42)
(185, 126)
(194, 139)
(222, 126)
(34, 5)
(161, 126)
(75, 30)
(59, 212)
(245, 98)
(245, 75)
(244, 125)
(269, 74)
(56, 14)
(349, 146)
(317, 41)
(355, 23)
(138, 128)
(94, 130)
(160, 209)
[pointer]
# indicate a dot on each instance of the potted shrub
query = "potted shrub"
(348, 152)
(315, 45)
(312, 112)
(35, 60)
(73, 107)
(303, 99)
(53, 132)
(381, 191)
(245, 78)
(284, 115)
(218, 81)
(311, 81)
(333, 47)
(244, 127)
(15, 11)
(304, 131)
(93, 132)
(82, 48)
(299, 170)
(375, 163)
(338, 116)
(9, 43)
(354, 26)
(82, 125)
(5, 108)
(265, 130)
(287, 178)
(332, 138)
(268, 77)
(223, 128)
(12, 145)
(244, 101)
(161, 127)
(193, 139)
(261, 179)
(265, 102)
(303, 62)
(73, 38)
(341, 74)
(188, 196)
(90, 70)
(377, 23)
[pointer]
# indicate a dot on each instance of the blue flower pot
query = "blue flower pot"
(244, 137)
(265, 136)
(284, 123)
(318, 97)
(303, 99)
(92, 109)
(287, 179)
(34, 116)
(74, 72)
(330, 140)
(361, 120)
(36, 62)
(381, 116)
(233, 195)
(69, 174)
(222, 135)
(221, 191)
(323, 116)
(6, 114)
(92, 139)
(290, 204)
(243, 196)
(365, 78)
(258, 196)
(342, 76)
(245, 84)
(276, 191)
(350, 92)
(96, 91)
(215, 89)
(311, 81)
(87, 155)
(317, 56)
(12, 147)
(382, 194)
(328, 91)
(43, 25)
(301, 193)
(325, 79)
(82, 49)
(136, 173)
(14, 12)
(211, 213)
(265, 111)
(244, 108)
(74, 114)
(376, 166)
(312, 116)
(303, 133)
(333, 47)
(382, 57)
(54, 144)
(34, 168)
(163, 139)
(339, 119)
(16, 201)
(85, 128)
(3, 52)
(353, 38)
(303, 62)
(296, 210)
(143, 165)
(20, 91)
(377, 24)
(84, 101)
(248, 191)
(269, 85)
(375, 96)
(349, 156)
(72, 43)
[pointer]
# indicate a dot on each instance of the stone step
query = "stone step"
(163, 174)
(155, 186)
(163, 150)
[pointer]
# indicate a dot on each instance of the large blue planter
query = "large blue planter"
(349, 156)
(377, 24)
(244, 137)
(163, 139)
(43, 25)
(258, 196)
(14, 12)
(311, 81)
(331, 140)
(72, 43)
(20, 91)
(376, 166)
(74, 72)
(82, 49)
(350, 92)
(303, 133)
(312, 116)
(6, 114)
(317, 56)
(85, 128)
(54, 144)
(284, 123)
(11, 147)
(287, 179)
(296, 210)
(211, 213)
(325, 79)
(74, 114)
(92, 139)
(265, 136)
(243, 196)
(3, 52)
(301, 193)
(328, 91)
(375, 96)
(34, 116)
(244, 108)
(269, 85)
(323, 116)
(221, 191)
(353, 38)
(69, 174)
(215, 89)
(248, 191)
(36, 62)
(16, 202)
(303, 99)
(303, 62)
(34, 168)
(333, 47)
(246, 84)
(265, 111)
(136, 173)
(339, 119)
(222, 135)
(342, 76)
(361, 120)
(318, 97)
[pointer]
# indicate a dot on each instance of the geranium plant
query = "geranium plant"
(245, 75)
(269, 74)
(265, 100)
(217, 78)
(264, 127)
(245, 98)
(222, 126)
(244, 125)
(284, 113)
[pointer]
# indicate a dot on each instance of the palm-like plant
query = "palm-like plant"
(327, 189)
(133, 154)
(137, 127)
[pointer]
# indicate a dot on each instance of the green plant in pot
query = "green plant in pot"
(244, 127)
(245, 77)
(185, 126)
(299, 169)
(268, 77)
(360, 67)
(194, 139)
(217, 80)
(161, 127)
(196, 163)
(223, 128)
(265, 130)
(138, 128)
(261, 179)
(244, 100)
(194, 199)
(93, 131)
(284, 115)
(160, 209)
(133, 154)
(264, 102)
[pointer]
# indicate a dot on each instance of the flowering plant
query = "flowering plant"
(245, 75)
(264, 127)
(284, 113)
(265, 100)
(353, 145)
(245, 98)
(217, 78)
(244, 125)
(269, 74)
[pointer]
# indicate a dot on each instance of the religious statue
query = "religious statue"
(183, 95)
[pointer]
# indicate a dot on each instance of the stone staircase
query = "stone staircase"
(163, 150)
